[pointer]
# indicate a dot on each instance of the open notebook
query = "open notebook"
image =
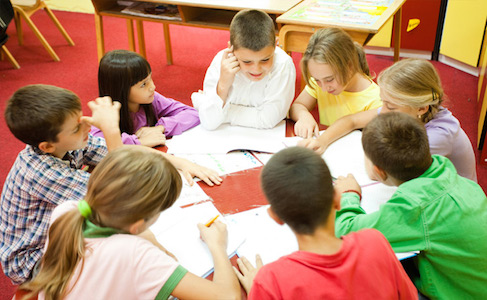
(227, 138)
(176, 230)
(267, 238)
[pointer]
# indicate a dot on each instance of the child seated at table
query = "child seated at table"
(101, 248)
(338, 80)
(412, 86)
(251, 83)
(298, 185)
(146, 117)
(48, 170)
(434, 210)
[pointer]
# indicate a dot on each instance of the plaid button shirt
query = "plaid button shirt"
(35, 185)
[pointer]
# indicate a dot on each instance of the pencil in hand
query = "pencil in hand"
(208, 224)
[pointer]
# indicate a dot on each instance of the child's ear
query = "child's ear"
(274, 217)
(46, 147)
(423, 110)
(380, 173)
(137, 227)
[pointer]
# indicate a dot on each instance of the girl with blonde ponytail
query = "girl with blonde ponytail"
(100, 248)
(412, 86)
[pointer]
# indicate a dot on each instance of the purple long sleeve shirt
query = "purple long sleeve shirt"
(175, 116)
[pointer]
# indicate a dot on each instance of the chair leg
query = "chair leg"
(10, 57)
(18, 27)
(58, 25)
(37, 33)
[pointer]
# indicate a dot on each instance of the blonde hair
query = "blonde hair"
(415, 83)
(335, 47)
(130, 184)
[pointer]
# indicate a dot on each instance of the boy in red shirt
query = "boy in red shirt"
(298, 185)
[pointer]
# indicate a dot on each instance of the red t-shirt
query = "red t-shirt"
(364, 268)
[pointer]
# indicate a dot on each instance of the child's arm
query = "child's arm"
(175, 116)
(306, 125)
(106, 115)
(151, 136)
(229, 67)
(400, 220)
(208, 102)
(341, 127)
(248, 274)
(127, 139)
(225, 283)
(191, 170)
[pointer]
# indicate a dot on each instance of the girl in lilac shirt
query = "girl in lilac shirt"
(146, 117)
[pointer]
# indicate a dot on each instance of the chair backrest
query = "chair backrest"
(6, 15)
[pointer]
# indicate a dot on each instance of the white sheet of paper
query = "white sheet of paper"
(346, 155)
(224, 163)
(264, 236)
(227, 138)
(176, 229)
(262, 157)
(374, 195)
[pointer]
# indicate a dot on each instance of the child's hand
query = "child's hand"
(306, 127)
(248, 271)
(190, 170)
(105, 113)
(313, 144)
(214, 236)
(348, 183)
(151, 136)
(229, 67)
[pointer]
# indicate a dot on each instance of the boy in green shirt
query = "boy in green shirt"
(434, 210)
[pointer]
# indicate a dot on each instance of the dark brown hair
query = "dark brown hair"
(119, 70)
(398, 144)
(36, 113)
(298, 185)
(252, 29)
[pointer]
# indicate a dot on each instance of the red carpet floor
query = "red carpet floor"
(193, 49)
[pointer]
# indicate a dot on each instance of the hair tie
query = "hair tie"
(84, 208)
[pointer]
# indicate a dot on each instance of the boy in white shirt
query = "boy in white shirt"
(251, 83)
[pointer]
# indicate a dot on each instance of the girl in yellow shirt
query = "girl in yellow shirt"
(338, 80)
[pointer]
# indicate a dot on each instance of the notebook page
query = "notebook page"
(177, 231)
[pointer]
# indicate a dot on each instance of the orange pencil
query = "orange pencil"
(208, 224)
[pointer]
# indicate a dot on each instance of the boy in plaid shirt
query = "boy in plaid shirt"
(48, 171)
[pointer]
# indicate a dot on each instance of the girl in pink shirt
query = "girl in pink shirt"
(100, 248)
(146, 117)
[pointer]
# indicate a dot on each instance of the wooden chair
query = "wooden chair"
(26, 8)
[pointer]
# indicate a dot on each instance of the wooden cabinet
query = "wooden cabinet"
(419, 37)
(419, 24)
(464, 30)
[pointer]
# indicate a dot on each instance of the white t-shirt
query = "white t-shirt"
(121, 266)
(258, 104)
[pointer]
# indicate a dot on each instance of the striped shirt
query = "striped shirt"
(35, 185)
